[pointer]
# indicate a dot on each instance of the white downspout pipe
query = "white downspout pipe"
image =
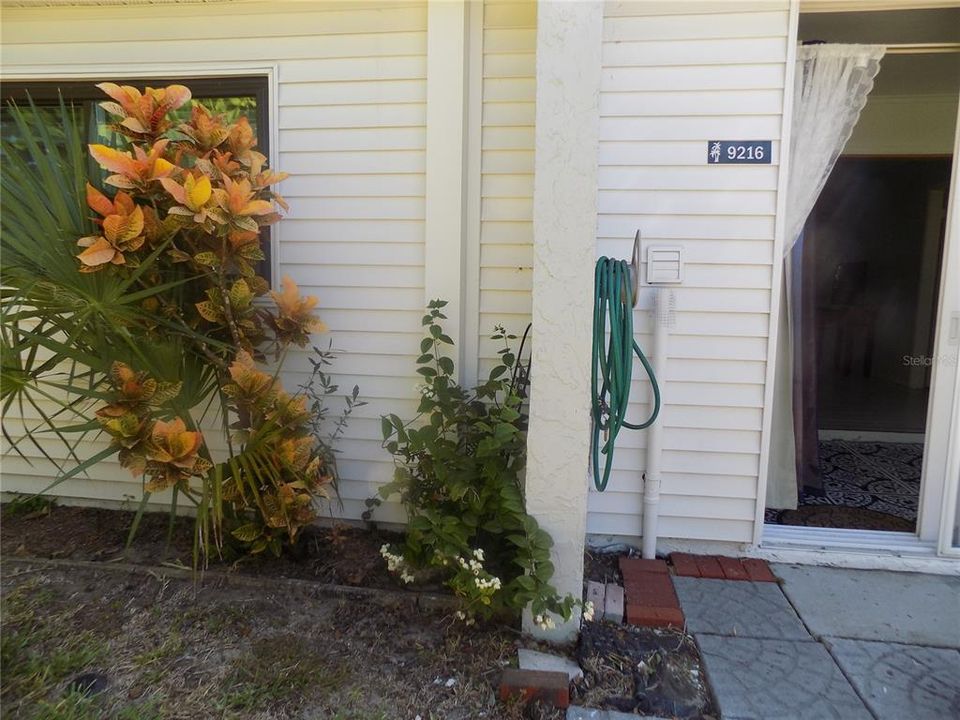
(662, 312)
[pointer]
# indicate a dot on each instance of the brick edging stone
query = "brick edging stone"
(420, 600)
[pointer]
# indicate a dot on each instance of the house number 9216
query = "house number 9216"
(738, 152)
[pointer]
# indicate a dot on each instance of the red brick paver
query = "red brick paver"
(758, 570)
(633, 566)
(654, 617)
(650, 597)
(732, 568)
(652, 590)
(721, 568)
(684, 565)
(552, 688)
(709, 567)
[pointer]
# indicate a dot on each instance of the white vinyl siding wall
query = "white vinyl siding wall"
(506, 209)
(675, 76)
(350, 127)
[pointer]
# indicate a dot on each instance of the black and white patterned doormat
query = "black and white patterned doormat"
(879, 477)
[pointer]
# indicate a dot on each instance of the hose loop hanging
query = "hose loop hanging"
(612, 362)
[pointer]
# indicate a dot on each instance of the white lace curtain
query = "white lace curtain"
(830, 89)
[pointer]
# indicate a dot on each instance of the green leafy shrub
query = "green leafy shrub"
(460, 468)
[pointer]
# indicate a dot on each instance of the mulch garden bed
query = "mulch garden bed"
(167, 646)
(338, 555)
(649, 671)
(641, 670)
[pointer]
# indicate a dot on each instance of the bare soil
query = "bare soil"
(602, 567)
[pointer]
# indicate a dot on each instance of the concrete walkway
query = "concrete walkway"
(829, 644)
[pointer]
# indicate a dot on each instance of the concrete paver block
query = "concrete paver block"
(535, 660)
(582, 713)
(596, 593)
(738, 608)
(875, 604)
(761, 679)
(575, 712)
(613, 603)
(901, 681)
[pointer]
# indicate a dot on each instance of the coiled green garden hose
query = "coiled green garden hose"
(613, 302)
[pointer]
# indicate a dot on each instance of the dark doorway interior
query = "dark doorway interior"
(871, 257)
(878, 231)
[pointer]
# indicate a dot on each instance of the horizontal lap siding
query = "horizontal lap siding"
(351, 130)
(674, 76)
(507, 141)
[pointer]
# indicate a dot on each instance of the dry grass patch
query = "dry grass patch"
(172, 649)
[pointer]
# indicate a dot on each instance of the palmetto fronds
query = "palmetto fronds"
(155, 315)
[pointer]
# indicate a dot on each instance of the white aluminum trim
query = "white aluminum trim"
(445, 179)
(862, 549)
(934, 489)
(948, 517)
(470, 340)
(778, 243)
(833, 538)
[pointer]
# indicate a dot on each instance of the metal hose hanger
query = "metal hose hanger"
(615, 294)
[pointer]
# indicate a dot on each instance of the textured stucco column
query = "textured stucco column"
(564, 231)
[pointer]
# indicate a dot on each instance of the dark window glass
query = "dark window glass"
(231, 97)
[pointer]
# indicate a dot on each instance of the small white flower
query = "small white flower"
(478, 554)
(460, 615)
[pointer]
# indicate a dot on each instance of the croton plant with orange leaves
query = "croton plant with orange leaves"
(190, 199)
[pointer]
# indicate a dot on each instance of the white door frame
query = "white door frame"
(941, 450)
(934, 488)
(946, 546)
(947, 358)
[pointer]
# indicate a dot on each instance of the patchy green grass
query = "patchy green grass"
(277, 670)
(23, 505)
(76, 706)
(35, 653)
(173, 649)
